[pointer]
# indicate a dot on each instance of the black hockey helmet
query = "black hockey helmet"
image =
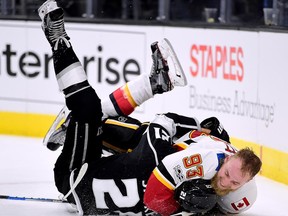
(196, 196)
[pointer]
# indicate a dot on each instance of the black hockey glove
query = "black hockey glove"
(216, 128)
(196, 196)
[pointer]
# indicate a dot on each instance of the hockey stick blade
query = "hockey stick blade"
(32, 199)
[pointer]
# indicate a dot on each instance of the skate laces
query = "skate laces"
(159, 60)
(63, 39)
(159, 77)
(56, 33)
(159, 63)
(155, 65)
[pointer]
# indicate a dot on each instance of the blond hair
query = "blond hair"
(251, 163)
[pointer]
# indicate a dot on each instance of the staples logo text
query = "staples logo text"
(217, 62)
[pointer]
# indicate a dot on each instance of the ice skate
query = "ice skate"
(162, 78)
(52, 18)
(56, 135)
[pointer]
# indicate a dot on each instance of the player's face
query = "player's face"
(230, 177)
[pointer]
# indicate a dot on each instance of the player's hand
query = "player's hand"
(216, 128)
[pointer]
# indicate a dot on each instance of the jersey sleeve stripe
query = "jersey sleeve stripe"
(181, 146)
(162, 179)
(122, 124)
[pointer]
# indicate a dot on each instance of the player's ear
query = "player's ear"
(227, 158)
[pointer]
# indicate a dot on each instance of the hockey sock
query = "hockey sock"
(125, 99)
(70, 74)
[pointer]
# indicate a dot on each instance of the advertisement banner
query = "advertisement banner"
(238, 76)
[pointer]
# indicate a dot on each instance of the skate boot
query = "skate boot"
(56, 135)
(52, 18)
(70, 74)
(163, 79)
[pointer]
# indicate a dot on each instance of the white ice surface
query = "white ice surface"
(26, 170)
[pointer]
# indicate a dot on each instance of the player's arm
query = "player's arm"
(159, 194)
(172, 171)
(122, 134)
(194, 196)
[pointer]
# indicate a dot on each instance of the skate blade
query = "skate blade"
(59, 119)
(177, 77)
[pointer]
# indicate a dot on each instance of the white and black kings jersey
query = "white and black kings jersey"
(116, 184)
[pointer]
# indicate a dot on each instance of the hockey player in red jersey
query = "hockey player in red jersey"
(116, 184)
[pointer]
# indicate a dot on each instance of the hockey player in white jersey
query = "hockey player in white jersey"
(206, 157)
(116, 184)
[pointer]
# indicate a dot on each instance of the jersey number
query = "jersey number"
(102, 187)
(193, 164)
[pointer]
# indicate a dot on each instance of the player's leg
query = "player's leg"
(127, 131)
(124, 100)
(163, 78)
(82, 142)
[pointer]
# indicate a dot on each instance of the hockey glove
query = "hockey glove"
(216, 128)
(196, 196)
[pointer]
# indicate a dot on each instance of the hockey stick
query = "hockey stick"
(78, 179)
(32, 199)
(81, 174)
